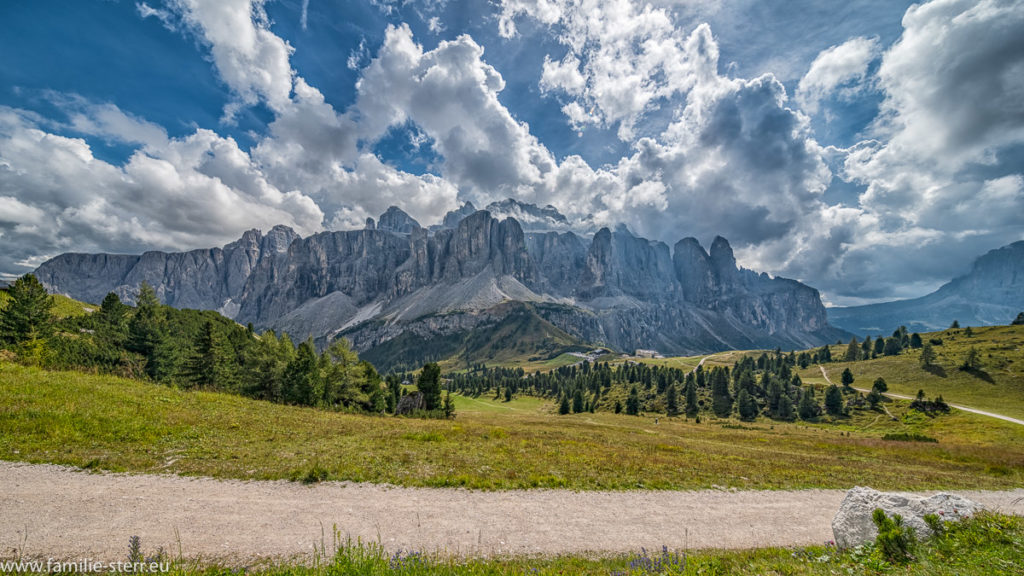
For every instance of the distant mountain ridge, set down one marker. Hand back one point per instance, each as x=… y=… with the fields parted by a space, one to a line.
x=991 y=293
x=394 y=278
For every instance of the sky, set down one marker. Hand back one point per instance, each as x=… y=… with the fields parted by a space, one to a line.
x=870 y=148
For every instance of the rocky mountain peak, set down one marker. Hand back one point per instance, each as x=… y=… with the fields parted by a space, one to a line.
x=531 y=217
x=394 y=219
x=278 y=240
x=721 y=254
x=452 y=219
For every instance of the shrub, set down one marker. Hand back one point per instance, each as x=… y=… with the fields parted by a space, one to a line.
x=896 y=541
x=909 y=437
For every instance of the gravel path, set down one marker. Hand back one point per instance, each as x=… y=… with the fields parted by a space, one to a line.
x=53 y=511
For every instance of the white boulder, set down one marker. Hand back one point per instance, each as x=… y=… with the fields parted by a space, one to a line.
x=852 y=524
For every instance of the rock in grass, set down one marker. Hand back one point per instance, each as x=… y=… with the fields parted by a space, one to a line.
x=852 y=525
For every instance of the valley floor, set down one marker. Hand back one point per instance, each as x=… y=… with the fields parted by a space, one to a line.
x=60 y=512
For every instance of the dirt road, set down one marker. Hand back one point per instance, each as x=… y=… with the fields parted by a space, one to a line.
x=52 y=511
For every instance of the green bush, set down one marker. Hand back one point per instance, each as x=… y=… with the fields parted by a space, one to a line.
x=896 y=541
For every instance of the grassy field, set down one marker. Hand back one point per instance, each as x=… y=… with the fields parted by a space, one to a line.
x=998 y=387
x=986 y=544
x=109 y=423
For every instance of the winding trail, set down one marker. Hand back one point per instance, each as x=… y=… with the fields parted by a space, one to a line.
x=957 y=406
x=53 y=511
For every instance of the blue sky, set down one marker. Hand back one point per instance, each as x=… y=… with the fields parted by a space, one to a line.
x=870 y=148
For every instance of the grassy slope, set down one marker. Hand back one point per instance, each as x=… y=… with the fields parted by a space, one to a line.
x=63 y=306
x=998 y=388
x=111 y=423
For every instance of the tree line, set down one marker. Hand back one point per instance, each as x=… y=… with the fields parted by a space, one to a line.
x=201 y=350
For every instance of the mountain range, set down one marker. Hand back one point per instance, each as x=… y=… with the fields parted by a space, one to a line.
x=395 y=287
x=991 y=293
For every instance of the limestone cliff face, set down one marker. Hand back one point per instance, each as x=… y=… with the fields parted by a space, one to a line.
x=372 y=284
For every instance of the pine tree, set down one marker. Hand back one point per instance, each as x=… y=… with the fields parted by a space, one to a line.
x=28 y=314
x=954 y=325
x=853 y=350
x=879 y=346
x=847 y=378
x=892 y=346
x=449 y=405
x=880 y=386
x=672 y=400
x=429 y=383
x=746 y=405
x=809 y=408
x=302 y=382
x=866 y=347
x=721 y=400
x=927 y=355
x=618 y=406
x=785 y=411
x=563 y=406
x=209 y=365
x=633 y=402
x=1019 y=320
x=915 y=340
x=825 y=354
x=692 y=407
x=577 y=401
x=112 y=311
x=834 y=401
x=147 y=334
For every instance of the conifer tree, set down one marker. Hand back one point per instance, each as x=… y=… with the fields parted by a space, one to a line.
x=28 y=314
x=785 y=411
x=847 y=378
x=809 y=408
x=672 y=400
x=302 y=382
x=209 y=366
x=633 y=402
x=563 y=406
x=892 y=347
x=915 y=340
x=746 y=405
x=853 y=350
x=577 y=401
x=692 y=407
x=449 y=405
x=833 y=401
x=927 y=355
x=721 y=400
x=147 y=333
x=429 y=383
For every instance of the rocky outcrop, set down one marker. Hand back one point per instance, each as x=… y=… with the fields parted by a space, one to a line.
x=392 y=276
x=853 y=526
x=992 y=293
